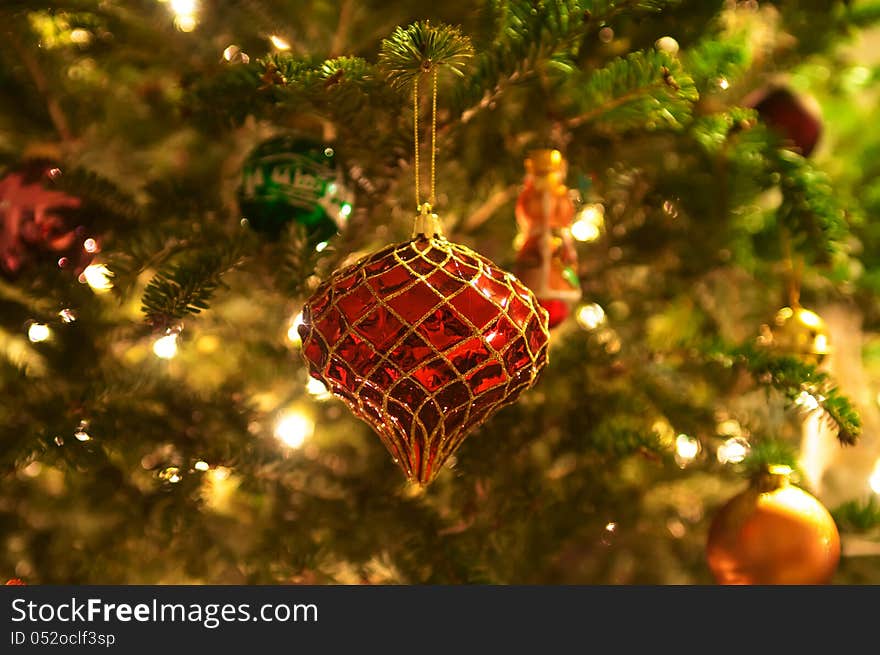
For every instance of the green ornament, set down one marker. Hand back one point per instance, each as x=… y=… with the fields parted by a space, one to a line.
x=292 y=179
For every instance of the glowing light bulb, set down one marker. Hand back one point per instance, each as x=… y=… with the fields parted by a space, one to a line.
x=234 y=54
x=80 y=36
x=185 y=11
x=611 y=526
x=733 y=451
x=292 y=332
x=345 y=210
x=590 y=316
x=90 y=245
x=317 y=389
x=97 y=276
x=185 y=23
x=170 y=474
x=67 y=315
x=279 y=42
x=321 y=246
x=723 y=84
x=588 y=225
x=38 y=332
x=874 y=480
x=686 y=449
x=201 y=465
x=667 y=44
x=807 y=400
x=166 y=347
x=293 y=428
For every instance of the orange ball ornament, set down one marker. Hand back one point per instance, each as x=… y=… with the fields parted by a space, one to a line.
x=773 y=533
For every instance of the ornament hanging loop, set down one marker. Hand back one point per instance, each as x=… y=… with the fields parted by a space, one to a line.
x=427 y=223
x=416 y=147
x=794 y=269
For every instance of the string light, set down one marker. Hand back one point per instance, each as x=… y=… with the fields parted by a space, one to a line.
x=807 y=400
x=166 y=347
x=80 y=36
x=67 y=315
x=667 y=44
x=185 y=11
x=279 y=42
x=80 y=433
x=201 y=465
x=874 y=480
x=588 y=225
x=686 y=449
x=90 y=245
x=235 y=54
x=97 y=276
x=733 y=451
x=293 y=428
x=170 y=474
x=590 y=316
x=39 y=332
x=723 y=84
x=321 y=246
x=317 y=389
x=293 y=332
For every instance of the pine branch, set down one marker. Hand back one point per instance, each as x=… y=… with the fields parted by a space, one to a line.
x=187 y=287
x=645 y=88
x=104 y=205
x=863 y=14
x=809 y=210
x=858 y=516
x=423 y=48
x=769 y=452
x=801 y=384
x=713 y=58
x=527 y=33
x=299 y=260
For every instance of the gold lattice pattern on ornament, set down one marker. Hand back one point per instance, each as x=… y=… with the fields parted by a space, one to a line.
x=424 y=340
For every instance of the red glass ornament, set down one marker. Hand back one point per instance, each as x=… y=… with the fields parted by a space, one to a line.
x=547 y=260
x=424 y=340
x=15 y=582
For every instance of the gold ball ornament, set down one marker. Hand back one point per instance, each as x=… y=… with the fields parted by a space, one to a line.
x=799 y=332
x=773 y=533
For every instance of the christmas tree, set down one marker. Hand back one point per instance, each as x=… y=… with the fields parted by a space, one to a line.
x=633 y=336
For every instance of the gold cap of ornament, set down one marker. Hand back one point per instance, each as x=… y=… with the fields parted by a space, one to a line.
x=773 y=477
x=797 y=331
x=545 y=161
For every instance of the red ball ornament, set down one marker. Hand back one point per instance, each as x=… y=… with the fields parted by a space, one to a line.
x=792 y=117
x=15 y=582
x=424 y=340
x=32 y=225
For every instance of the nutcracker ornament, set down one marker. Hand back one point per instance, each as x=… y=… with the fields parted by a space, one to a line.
x=547 y=260
x=773 y=533
x=292 y=179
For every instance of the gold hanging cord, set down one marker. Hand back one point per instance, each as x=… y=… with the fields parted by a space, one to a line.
x=426 y=221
